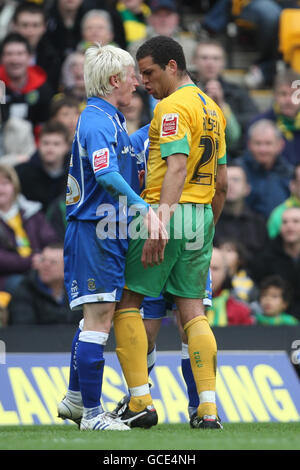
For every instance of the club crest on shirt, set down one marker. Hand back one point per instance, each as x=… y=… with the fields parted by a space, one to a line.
x=100 y=159
x=169 y=125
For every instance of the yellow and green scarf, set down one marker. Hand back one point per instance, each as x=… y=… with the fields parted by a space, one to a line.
x=287 y=125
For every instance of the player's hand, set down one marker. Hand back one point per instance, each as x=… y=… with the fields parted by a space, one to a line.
x=141 y=176
x=155 y=227
x=154 y=247
x=153 y=252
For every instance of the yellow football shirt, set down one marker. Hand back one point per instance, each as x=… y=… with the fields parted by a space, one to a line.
x=187 y=122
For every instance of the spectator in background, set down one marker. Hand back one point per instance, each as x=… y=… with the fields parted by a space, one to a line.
x=56 y=216
x=226 y=310
x=65 y=109
x=259 y=17
x=282 y=257
x=64 y=25
x=27 y=91
x=209 y=62
x=44 y=176
x=30 y=21
x=18 y=141
x=72 y=78
x=24 y=231
x=134 y=14
x=274 y=300
x=236 y=258
x=96 y=27
x=41 y=297
x=233 y=129
x=275 y=220
x=285 y=113
x=268 y=173
x=138 y=113
x=165 y=21
x=237 y=220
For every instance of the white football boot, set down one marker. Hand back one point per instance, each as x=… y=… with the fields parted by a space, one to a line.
x=68 y=410
x=103 y=422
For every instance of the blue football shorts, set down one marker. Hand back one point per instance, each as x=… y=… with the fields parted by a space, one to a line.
x=94 y=268
x=155 y=308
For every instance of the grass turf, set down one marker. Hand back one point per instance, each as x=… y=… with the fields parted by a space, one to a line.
x=234 y=436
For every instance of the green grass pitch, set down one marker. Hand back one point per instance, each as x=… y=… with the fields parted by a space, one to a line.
x=234 y=436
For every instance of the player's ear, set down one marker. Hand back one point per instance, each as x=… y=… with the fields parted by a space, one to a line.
x=114 y=80
x=172 y=64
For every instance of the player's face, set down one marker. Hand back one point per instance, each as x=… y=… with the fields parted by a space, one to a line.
x=155 y=79
x=272 y=302
x=127 y=88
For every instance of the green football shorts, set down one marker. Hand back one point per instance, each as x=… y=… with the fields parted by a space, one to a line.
x=184 y=269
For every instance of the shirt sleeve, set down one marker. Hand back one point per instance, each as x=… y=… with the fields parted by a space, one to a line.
x=101 y=147
x=174 y=131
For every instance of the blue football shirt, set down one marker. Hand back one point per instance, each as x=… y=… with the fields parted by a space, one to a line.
x=101 y=145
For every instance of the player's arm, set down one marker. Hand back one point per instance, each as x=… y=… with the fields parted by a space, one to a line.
x=221 y=191
x=221 y=176
x=100 y=142
x=172 y=186
x=116 y=186
x=153 y=250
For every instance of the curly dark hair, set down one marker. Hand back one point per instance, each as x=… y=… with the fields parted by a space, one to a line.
x=162 y=49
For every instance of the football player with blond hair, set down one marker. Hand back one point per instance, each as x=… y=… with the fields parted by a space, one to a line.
x=102 y=178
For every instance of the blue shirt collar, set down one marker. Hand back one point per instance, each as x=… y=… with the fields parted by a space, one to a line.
x=106 y=106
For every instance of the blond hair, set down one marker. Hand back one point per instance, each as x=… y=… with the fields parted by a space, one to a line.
x=100 y=64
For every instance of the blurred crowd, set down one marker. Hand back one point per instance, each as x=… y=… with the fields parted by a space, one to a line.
x=256 y=258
